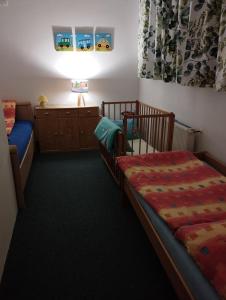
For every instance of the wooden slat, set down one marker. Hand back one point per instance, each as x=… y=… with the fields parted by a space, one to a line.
x=147 y=140
x=103 y=108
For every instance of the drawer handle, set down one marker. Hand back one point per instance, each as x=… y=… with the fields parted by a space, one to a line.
x=46 y=113
x=88 y=111
x=67 y=112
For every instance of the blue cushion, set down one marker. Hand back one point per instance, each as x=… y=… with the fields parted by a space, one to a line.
x=131 y=128
x=20 y=136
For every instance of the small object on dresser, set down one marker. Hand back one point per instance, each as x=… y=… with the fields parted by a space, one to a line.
x=43 y=100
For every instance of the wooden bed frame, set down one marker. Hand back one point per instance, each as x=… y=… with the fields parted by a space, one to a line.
x=21 y=169
x=176 y=278
x=155 y=128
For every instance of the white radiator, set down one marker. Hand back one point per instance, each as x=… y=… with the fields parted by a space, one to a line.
x=184 y=137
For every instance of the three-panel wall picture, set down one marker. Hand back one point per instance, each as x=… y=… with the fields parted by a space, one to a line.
x=84 y=39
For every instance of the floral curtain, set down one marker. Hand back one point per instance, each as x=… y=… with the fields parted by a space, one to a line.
x=183 y=41
x=221 y=57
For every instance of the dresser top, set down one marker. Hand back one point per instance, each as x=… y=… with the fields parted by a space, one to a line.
x=63 y=106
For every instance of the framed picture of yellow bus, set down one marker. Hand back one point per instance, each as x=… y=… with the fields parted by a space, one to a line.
x=103 y=41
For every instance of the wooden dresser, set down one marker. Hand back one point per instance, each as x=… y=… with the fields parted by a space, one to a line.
x=66 y=128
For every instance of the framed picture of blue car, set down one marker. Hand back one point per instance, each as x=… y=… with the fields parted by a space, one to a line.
x=63 y=41
x=103 y=41
x=84 y=41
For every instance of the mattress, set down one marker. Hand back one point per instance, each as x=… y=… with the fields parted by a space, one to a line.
x=197 y=283
x=20 y=136
x=139 y=146
x=181 y=188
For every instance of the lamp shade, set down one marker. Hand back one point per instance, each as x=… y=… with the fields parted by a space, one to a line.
x=42 y=100
x=80 y=86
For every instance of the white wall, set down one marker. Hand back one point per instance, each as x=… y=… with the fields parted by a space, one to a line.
x=201 y=108
x=8 y=207
x=30 y=66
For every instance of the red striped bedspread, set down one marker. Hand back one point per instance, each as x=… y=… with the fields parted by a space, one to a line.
x=206 y=243
x=181 y=188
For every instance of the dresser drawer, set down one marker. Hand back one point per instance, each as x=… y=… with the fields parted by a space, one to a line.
x=67 y=112
x=88 y=111
x=45 y=113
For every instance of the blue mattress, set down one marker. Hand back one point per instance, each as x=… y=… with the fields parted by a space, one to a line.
x=197 y=283
x=20 y=136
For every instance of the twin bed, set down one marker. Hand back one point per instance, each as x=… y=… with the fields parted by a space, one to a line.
x=21 y=141
x=181 y=203
x=179 y=197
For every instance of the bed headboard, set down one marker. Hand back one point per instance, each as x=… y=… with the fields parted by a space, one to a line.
x=209 y=159
x=24 y=111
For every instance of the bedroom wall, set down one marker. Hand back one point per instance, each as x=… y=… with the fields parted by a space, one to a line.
x=8 y=207
x=30 y=66
x=201 y=108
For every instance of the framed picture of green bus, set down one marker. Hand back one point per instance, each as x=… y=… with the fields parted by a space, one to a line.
x=63 y=41
x=84 y=41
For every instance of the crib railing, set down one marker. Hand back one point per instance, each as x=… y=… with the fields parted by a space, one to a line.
x=150 y=133
x=152 y=130
x=151 y=125
x=115 y=109
x=145 y=109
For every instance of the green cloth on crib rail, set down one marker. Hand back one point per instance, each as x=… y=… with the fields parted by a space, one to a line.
x=105 y=133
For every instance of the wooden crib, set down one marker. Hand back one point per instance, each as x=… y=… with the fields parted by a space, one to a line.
x=144 y=129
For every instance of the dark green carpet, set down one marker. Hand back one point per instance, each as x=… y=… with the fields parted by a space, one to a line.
x=76 y=241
